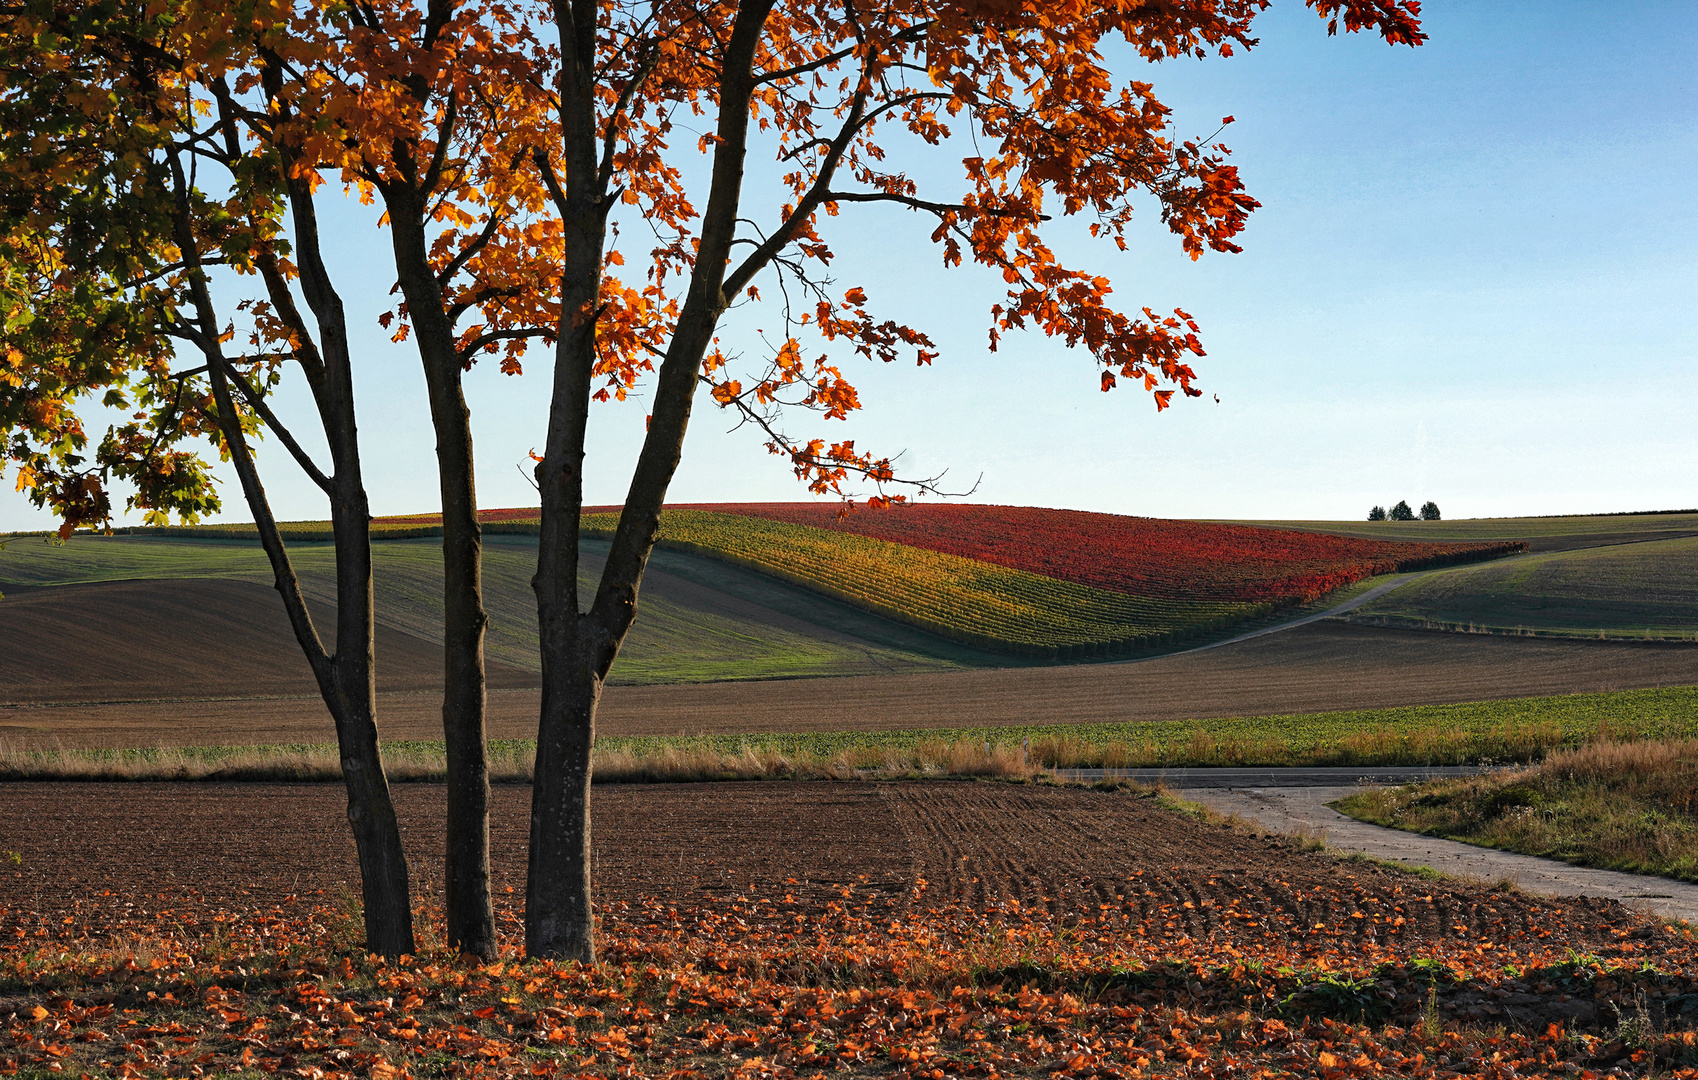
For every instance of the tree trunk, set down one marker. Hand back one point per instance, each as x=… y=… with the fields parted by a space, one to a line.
x=578 y=649
x=384 y=884
x=470 y=908
x=559 y=919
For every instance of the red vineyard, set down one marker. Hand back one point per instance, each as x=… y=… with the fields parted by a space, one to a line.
x=1156 y=557
x=1152 y=557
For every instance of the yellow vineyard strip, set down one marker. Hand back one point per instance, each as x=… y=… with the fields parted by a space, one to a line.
x=969 y=601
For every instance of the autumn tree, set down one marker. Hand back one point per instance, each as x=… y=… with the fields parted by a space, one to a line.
x=847 y=96
x=391 y=99
x=516 y=157
x=434 y=110
x=144 y=174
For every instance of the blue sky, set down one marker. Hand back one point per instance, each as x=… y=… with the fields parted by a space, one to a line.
x=1472 y=280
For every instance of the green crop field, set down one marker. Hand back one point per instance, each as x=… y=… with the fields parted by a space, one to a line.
x=1488 y=732
x=702 y=620
x=1637 y=590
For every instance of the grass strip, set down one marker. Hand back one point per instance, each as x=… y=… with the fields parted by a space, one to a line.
x=1615 y=805
x=1482 y=732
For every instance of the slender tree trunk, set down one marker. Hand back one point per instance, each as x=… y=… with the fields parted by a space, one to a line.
x=559 y=918
x=470 y=909
x=559 y=921
x=371 y=812
x=578 y=649
x=346 y=680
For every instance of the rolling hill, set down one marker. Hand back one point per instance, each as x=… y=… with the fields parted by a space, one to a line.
x=998 y=582
x=1644 y=589
x=172 y=637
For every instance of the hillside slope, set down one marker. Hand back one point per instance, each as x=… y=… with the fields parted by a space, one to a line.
x=131 y=617
x=1647 y=589
x=171 y=638
x=1565 y=533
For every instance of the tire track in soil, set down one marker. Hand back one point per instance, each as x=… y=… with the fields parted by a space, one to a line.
x=1106 y=862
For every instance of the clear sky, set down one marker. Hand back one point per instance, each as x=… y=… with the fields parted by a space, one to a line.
x=1473 y=280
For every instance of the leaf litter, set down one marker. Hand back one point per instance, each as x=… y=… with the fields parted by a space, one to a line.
x=1030 y=964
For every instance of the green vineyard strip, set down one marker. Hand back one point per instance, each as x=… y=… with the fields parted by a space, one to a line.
x=1480 y=732
x=1475 y=732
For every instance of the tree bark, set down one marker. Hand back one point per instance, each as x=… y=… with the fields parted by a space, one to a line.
x=346 y=680
x=470 y=909
x=383 y=869
x=578 y=649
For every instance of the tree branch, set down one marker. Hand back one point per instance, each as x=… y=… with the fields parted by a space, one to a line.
x=470 y=250
x=924 y=204
x=256 y=401
x=757 y=260
x=604 y=171
x=494 y=336
x=549 y=180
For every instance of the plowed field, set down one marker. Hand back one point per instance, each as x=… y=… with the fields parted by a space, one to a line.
x=1321 y=667
x=112 y=852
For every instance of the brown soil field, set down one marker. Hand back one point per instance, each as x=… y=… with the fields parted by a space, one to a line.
x=100 y=855
x=1318 y=667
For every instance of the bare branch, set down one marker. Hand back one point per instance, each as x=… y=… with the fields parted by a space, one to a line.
x=471 y=250
x=465 y=355
x=256 y=401
x=750 y=415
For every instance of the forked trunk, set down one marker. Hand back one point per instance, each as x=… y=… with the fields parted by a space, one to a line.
x=578 y=648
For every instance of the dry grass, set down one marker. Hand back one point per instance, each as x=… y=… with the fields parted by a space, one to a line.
x=1435 y=743
x=1618 y=805
x=511 y=762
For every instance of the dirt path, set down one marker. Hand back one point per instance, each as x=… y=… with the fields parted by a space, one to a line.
x=1304 y=811
x=1349 y=605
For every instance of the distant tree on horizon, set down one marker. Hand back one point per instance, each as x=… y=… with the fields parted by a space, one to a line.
x=1378 y=513
x=1401 y=511
x=1429 y=511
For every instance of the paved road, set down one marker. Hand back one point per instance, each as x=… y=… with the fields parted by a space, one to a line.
x=1289 y=808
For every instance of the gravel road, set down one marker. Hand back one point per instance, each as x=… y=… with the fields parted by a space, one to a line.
x=1304 y=810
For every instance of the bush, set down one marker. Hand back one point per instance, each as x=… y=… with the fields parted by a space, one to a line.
x=1401 y=512
x=1429 y=511
x=1378 y=513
